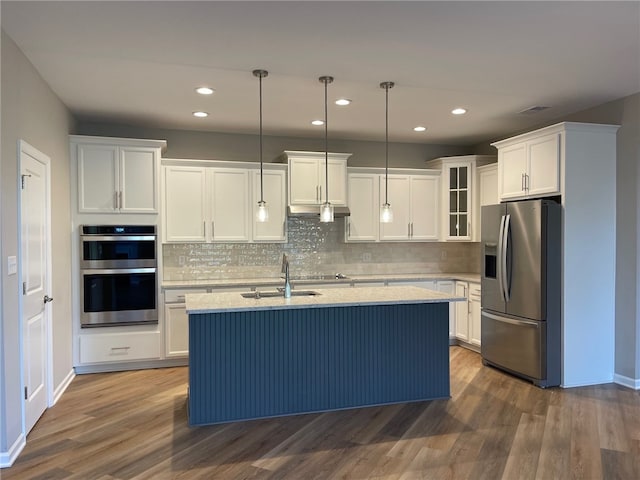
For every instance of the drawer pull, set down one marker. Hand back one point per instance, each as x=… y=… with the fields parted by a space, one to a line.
x=120 y=348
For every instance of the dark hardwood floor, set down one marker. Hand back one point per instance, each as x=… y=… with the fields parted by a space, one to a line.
x=133 y=425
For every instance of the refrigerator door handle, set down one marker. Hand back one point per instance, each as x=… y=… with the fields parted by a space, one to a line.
x=499 y=259
x=505 y=250
x=531 y=323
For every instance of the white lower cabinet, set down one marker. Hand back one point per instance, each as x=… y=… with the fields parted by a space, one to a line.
x=462 y=312
x=474 y=314
x=119 y=347
x=176 y=322
x=468 y=313
x=448 y=286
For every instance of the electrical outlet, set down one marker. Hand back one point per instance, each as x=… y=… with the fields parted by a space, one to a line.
x=366 y=257
x=181 y=260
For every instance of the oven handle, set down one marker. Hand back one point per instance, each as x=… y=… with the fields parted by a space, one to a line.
x=115 y=238
x=110 y=271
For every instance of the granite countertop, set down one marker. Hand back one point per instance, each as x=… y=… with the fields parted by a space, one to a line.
x=329 y=297
x=356 y=278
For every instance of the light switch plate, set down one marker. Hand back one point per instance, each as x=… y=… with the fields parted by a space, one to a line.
x=12 y=265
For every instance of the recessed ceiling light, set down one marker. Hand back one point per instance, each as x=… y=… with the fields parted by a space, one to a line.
x=343 y=101
x=317 y=122
x=200 y=114
x=459 y=111
x=204 y=90
x=419 y=128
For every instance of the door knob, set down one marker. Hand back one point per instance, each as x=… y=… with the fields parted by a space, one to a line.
x=48 y=299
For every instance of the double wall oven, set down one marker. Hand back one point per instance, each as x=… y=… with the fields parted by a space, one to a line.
x=118 y=275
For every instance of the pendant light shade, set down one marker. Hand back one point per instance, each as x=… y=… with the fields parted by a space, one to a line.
x=262 y=213
x=326 y=209
x=386 y=214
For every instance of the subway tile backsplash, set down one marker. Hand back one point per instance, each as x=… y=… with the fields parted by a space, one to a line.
x=315 y=248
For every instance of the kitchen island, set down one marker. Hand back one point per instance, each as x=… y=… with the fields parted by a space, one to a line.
x=341 y=348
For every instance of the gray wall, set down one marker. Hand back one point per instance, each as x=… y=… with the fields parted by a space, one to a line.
x=32 y=112
x=237 y=147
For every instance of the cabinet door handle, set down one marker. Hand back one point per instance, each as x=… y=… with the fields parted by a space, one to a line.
x=348 y=228
x=204 y=228
x=409 y=230
x=120 y=199
x=526 y=181
x=115 y=200
x=213 y=230
x=522 y=184
x=320 y=197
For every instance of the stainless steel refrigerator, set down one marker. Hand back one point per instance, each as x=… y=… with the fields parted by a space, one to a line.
x=521 y=289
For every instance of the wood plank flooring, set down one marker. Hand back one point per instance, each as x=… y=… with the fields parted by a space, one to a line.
x=133 y=425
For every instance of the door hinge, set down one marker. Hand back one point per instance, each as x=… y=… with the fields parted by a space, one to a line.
x=24 y=175
x=26 y=397
x=24 y=288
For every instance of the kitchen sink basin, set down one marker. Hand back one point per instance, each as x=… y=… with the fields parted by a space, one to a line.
x=294 y=293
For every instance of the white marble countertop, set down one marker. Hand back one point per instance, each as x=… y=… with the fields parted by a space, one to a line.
x=356 y=278
x=329 y=297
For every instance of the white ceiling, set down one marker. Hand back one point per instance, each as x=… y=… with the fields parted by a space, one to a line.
x=138 y=63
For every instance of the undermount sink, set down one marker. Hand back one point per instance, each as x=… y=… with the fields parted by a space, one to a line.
x=294 y=293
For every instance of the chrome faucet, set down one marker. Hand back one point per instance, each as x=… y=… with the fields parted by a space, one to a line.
x=285 y=270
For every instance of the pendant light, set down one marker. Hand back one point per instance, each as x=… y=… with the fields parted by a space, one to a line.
x=326 y=210
x=262 y=214
x=386 y=214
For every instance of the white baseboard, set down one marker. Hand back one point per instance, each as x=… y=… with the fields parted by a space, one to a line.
x=626 y=381
x=59 y=390
x=120 y=367
x=7 y=458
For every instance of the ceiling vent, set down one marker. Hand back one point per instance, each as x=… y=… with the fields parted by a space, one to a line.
x=532 y=110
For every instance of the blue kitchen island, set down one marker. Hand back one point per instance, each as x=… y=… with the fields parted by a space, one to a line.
x=344 y=348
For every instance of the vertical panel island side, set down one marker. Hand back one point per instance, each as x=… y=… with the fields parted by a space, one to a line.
x=344 y=348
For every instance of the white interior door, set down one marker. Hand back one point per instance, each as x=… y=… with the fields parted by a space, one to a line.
x=36 y=281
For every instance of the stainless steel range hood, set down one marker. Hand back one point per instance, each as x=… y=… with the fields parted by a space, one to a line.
x=314 y=211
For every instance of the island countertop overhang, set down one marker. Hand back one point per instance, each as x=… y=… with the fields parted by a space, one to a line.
x=197 y=303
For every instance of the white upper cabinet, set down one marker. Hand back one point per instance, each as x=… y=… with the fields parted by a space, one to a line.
x=364 y=204
x=399 y=196
x=458 y=182
x=530 y=167
x=460 y=208
x=275 y=195
x=185 y=204
x=425 y=207
x=415 y=206
x=218 y=204
x=488 y=185
x=116 y=175
x=414 y=197
x=307 y=177
x=229 y=205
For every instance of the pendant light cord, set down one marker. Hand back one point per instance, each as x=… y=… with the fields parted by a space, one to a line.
x=386 y=86
x=261 y=74
x=326 y=145
x=261 y=181
x=386 y=142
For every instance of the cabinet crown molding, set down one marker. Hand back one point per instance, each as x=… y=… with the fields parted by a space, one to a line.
x=123 y=142
x=288 y=154
x=558 y=128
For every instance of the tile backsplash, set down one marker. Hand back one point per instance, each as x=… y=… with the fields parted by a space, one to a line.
x=315 y=248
